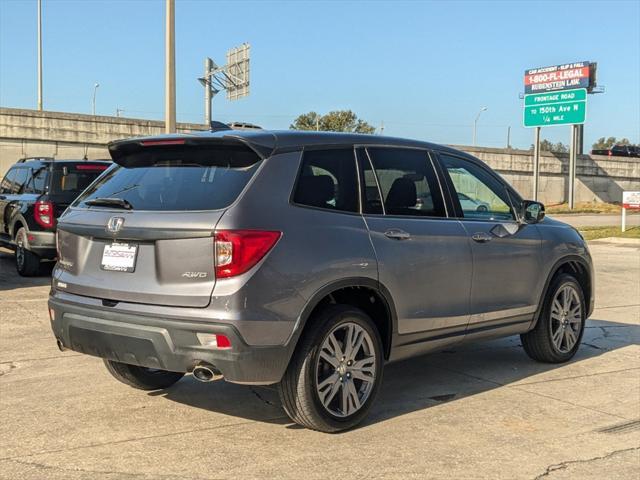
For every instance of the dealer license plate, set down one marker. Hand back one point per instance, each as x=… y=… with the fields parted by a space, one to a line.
x=119 y=257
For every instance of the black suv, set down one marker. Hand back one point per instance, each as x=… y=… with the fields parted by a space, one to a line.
x=33 y=194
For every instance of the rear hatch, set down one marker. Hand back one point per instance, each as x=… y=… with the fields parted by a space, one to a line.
x=69 y=179
x=144 y=232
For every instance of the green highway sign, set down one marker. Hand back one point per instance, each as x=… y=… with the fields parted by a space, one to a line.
x=555 y=108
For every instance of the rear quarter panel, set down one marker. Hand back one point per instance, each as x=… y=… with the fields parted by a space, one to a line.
x=317 y=247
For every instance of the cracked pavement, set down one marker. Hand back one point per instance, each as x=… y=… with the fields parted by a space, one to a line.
x=478 y=411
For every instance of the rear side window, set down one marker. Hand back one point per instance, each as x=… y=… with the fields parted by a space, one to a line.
x=328 y=180
x=407 y=183
x=38 y=180
x=197 y=177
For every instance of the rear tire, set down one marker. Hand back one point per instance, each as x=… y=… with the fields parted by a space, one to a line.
x=557 y=335
x=330 y=386
x=27 y=262
x=142 y=378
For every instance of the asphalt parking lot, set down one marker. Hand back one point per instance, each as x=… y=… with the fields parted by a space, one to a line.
x=470 y=412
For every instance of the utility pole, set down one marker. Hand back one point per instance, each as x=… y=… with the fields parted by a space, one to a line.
x=39 y=54
x=170 y=69
x=536 y=162
x=509 y=136
x=208 y=94
x=572 y=164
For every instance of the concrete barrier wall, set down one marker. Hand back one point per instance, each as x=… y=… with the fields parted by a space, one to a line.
x=31 y=133
x=598 y=178
x=27 y=133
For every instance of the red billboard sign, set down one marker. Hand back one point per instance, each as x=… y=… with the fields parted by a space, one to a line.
x=557 y=77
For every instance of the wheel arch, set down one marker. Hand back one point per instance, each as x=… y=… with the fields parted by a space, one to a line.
x=577 y=267
x=361 y=292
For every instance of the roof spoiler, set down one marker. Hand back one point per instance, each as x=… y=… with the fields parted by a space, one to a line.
x=121 y=151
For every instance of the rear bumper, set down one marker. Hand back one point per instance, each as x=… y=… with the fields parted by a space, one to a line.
x=165 y=344
x=43 y=243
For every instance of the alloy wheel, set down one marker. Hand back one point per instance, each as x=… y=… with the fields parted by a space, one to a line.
x=345 y=369
x=566 y=318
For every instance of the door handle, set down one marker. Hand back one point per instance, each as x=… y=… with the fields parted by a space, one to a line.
x=397 y=234
x=481 y=237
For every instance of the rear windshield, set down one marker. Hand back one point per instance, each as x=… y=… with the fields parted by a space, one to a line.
x=182 y=178
x=71 y=179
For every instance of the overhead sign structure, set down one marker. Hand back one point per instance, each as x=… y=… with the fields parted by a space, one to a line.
x=565 y=107
x=238 y=72
x=559 y=77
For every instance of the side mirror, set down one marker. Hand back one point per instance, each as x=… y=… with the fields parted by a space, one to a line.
x=532 y=212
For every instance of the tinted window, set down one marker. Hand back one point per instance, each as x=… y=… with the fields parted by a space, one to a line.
x=7 y=181
x=72 y=179
x=407 y=183
x=480 y=194
x=328 y=180
x=19 y=180
x=37 y=180
x=184 y=178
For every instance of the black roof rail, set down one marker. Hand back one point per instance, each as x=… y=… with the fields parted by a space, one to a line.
x=26 y=159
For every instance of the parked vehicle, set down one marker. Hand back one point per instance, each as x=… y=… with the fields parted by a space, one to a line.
x=302 y=259
x=33 y=193
x=469 y=204
x=619 y=151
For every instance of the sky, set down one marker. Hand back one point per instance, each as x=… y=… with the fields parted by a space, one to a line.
x=423 y=69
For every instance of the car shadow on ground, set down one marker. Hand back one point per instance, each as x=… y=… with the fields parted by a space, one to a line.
x=419 y=383
x=10 y=280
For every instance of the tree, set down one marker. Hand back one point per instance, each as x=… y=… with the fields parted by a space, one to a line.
x=547 y=146
x=335 y=121
x=603 y=144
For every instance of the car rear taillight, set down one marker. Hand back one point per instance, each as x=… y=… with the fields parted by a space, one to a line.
x=236 y=251
x=43 y=214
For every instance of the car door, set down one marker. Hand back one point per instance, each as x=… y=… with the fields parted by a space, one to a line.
x=9 y=190
x=424 y=258
x=506 y=254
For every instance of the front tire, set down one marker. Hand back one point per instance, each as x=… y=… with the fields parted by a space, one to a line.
x=27 y=262
x=142 y=378
x=336 y=371
x=557 y=335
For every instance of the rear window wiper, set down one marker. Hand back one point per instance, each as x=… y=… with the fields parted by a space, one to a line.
x=109 y=202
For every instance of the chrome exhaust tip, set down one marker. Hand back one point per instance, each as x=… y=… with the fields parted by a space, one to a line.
x=60 y=345
x=204 y=372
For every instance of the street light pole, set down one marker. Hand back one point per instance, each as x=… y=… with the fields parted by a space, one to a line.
x=93 y=102
x=170 y=69
x=39 y=54
x=475 y=124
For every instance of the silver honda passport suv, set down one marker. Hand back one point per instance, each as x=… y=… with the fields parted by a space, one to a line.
x=307 y=260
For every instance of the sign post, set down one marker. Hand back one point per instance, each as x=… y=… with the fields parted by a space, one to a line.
x=536 y=163
x=631 y=201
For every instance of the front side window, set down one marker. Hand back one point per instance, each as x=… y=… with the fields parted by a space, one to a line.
x=328 y=180
x=407 y=183
x=481 y=195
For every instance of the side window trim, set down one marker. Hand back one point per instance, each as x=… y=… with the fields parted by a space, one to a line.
x=375 y=177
